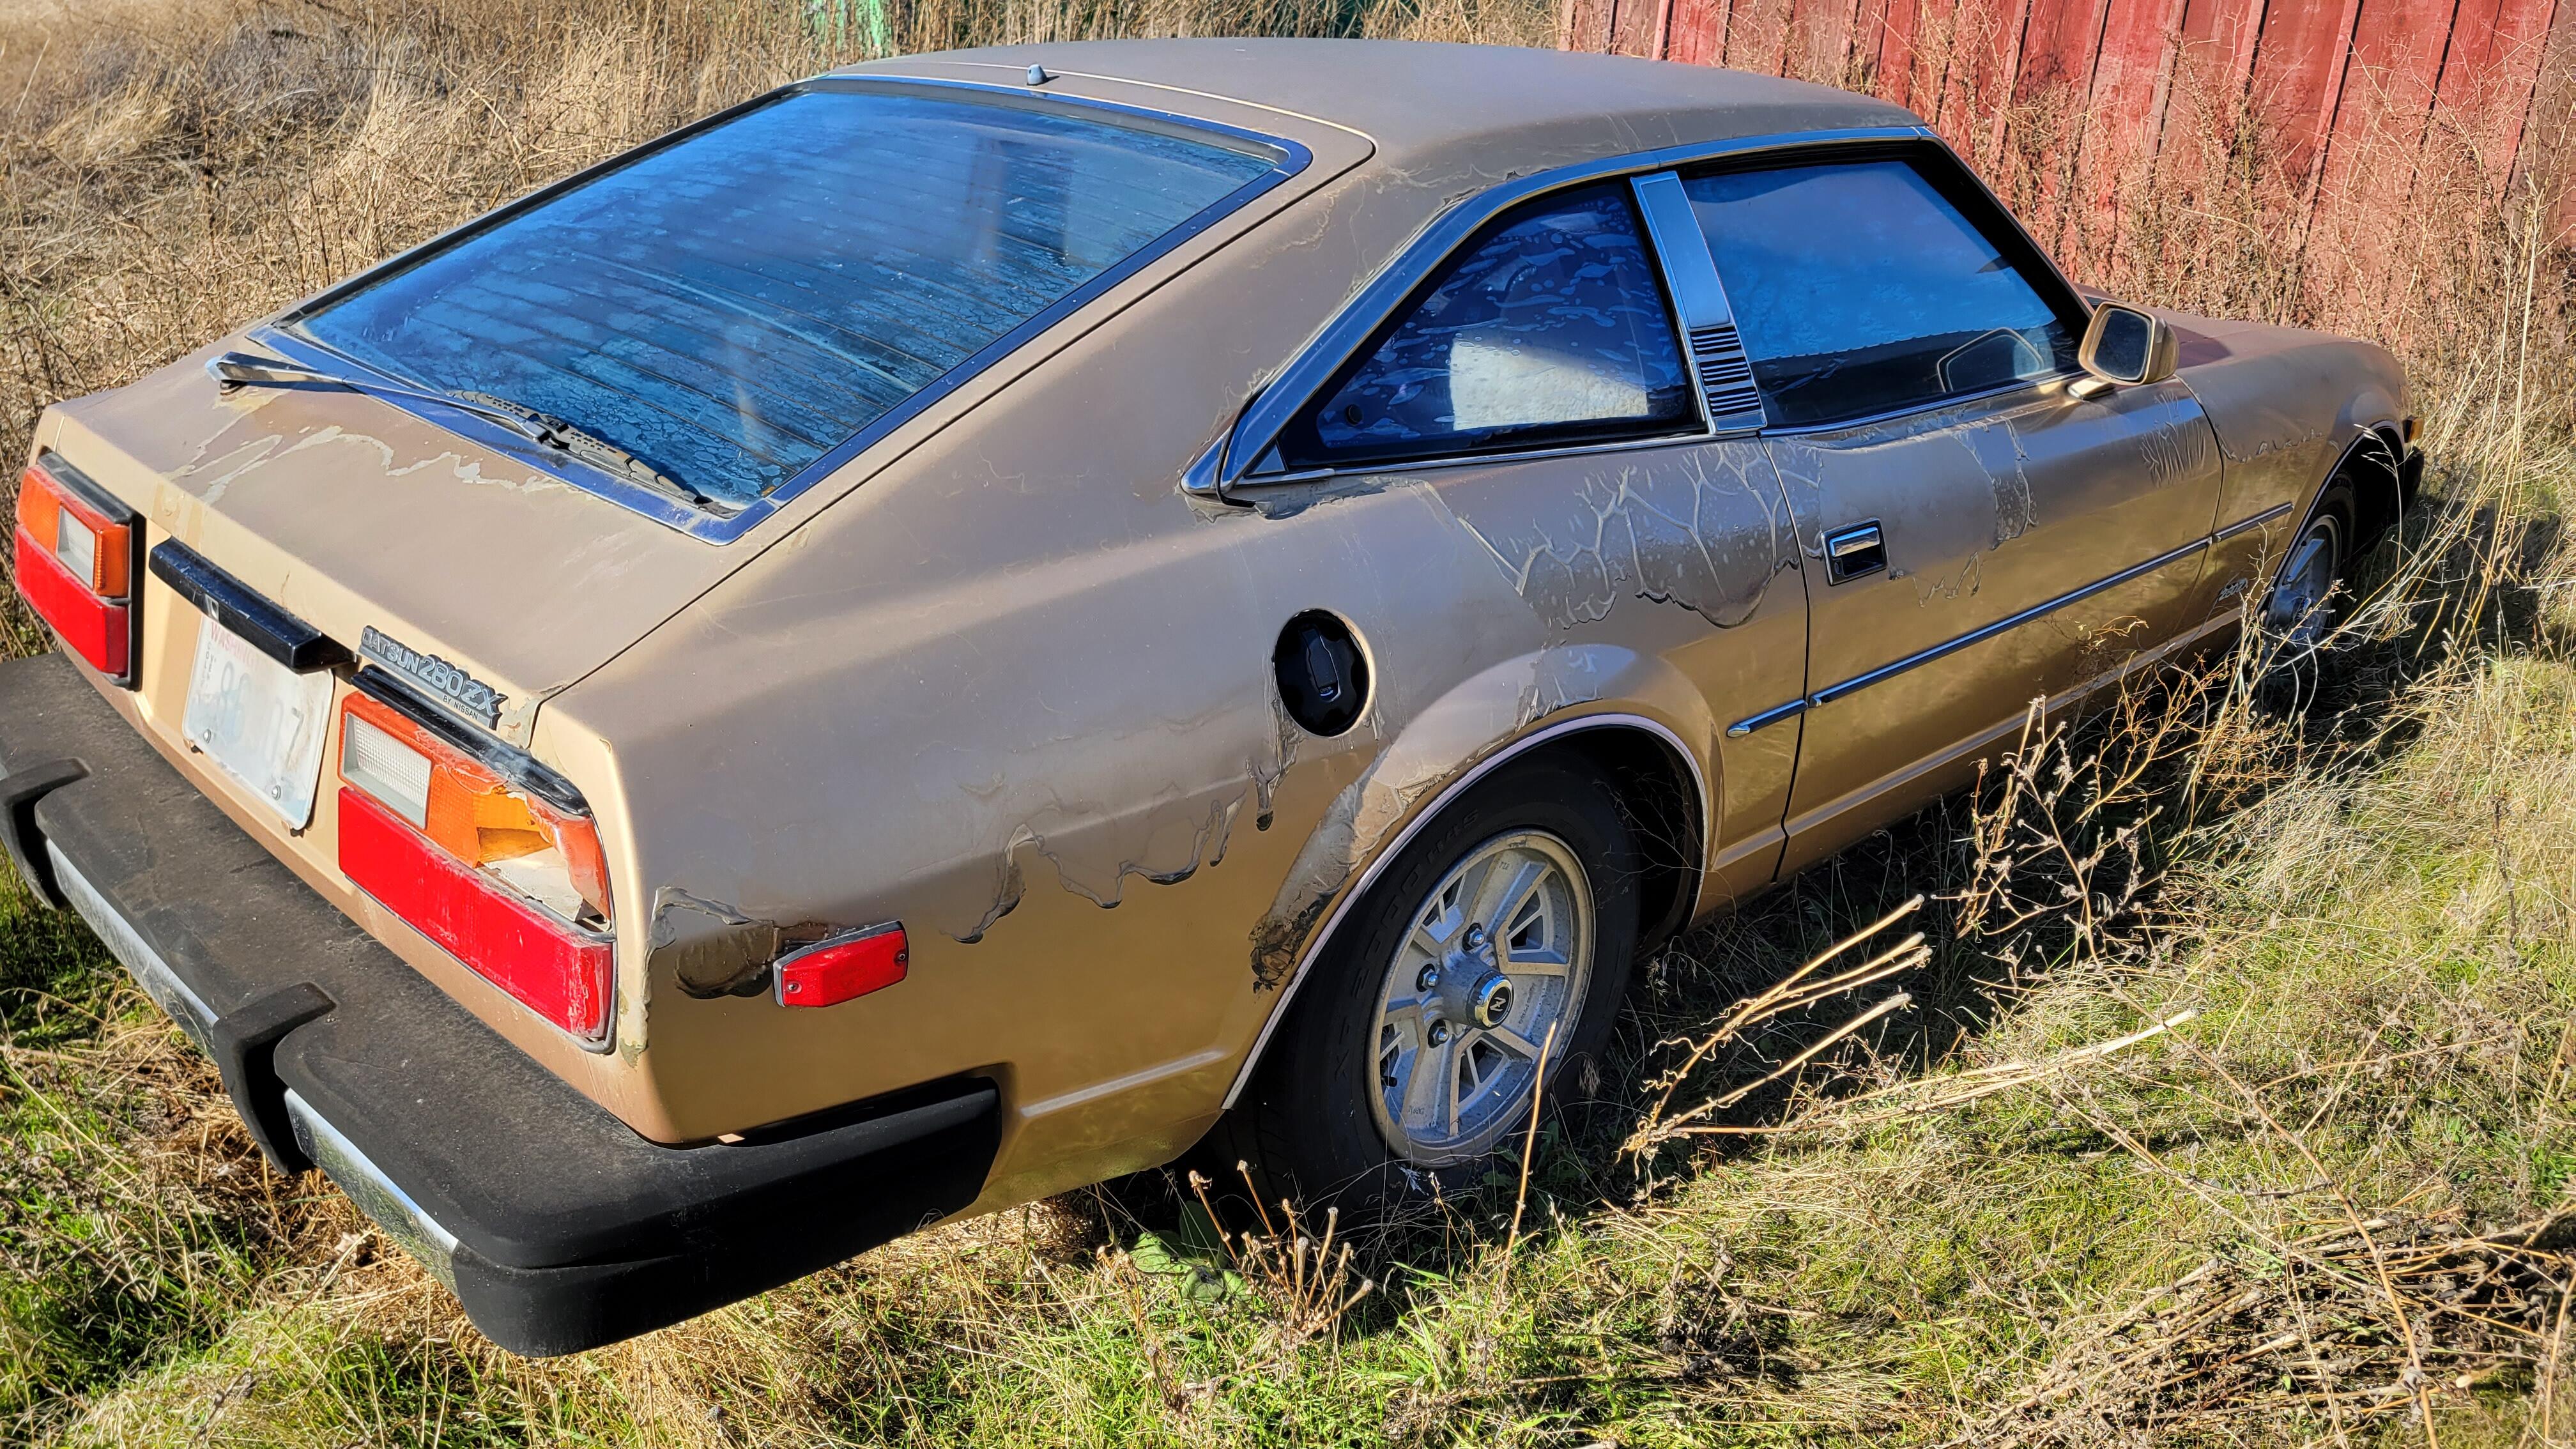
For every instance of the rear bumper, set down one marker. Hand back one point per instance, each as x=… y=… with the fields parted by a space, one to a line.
x=558 y=1228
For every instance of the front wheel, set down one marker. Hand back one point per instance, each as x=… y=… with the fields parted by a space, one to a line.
x=2308 y=598
x=1412 y=1056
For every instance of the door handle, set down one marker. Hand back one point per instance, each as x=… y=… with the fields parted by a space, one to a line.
x=1854 y=551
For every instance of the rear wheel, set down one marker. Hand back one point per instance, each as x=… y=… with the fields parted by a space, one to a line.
x=1411 y=1058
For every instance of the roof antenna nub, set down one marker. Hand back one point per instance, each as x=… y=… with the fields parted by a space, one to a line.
x=1038 y=75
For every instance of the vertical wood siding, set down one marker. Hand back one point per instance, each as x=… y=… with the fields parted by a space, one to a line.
x=2349 y=96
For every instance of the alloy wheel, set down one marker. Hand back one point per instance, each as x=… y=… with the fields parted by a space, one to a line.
x=1498 y=954
x=2297 y=616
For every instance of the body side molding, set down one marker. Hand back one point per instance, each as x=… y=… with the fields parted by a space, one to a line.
x=1954 y=644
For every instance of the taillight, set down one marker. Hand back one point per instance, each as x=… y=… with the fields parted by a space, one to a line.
x=73 y=554
x=511 y=884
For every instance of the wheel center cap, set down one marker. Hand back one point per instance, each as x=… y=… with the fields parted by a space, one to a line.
x=1469 y=988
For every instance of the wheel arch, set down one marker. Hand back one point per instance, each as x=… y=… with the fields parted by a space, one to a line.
x=1658 y=780
x=2372 y=465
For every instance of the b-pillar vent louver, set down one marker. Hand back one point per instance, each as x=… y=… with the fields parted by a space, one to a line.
x=1718 y=359
x=1726 y=376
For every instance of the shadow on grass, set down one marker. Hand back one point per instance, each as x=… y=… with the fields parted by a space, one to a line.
x=2350 y=717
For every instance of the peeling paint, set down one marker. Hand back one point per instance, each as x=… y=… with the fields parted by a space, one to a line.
x=1998 y=448
x=210 y=478
x=1009 y=888
x=2177 y=447
x=1702 y=529
x=711 y=948
x=1394 y=788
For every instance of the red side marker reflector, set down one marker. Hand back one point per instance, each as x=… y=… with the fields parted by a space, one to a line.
x=562 y=974
x=828 y=973
x=91 y=627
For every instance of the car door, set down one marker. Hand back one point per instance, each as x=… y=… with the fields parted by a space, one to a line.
x=1977 y=533
x=1538 y=381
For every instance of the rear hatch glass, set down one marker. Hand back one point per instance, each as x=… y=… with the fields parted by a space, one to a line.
x=743 y=308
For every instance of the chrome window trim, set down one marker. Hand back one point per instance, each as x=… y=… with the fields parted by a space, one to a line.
x=1387 y=853
x=1199 y=478
x=2000 y=392
x=1332 y=346
x=1699 y=300
x=1288 y=160
x=1227 y=466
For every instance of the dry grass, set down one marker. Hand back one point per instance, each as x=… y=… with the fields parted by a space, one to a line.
x=171 y=169
x=2224 y=1099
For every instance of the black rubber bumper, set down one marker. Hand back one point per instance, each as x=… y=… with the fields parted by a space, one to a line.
x=558 y=1227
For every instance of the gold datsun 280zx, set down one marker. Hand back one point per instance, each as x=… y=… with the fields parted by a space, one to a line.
x=943 y=634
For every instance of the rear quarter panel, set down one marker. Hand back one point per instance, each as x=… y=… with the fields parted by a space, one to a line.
x=1017 y=694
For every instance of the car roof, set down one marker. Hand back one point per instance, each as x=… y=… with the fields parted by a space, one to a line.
x=1421 y=102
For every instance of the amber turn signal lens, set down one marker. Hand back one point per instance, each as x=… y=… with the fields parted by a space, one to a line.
x=93 y=549
x=548 y=855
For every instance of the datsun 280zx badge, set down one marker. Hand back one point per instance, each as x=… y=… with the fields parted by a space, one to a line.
x=445 y=682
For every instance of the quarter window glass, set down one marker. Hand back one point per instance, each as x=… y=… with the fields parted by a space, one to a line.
x=1860 y=289
x=1552 y=329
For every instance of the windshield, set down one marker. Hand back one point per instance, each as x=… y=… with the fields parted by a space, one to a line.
x=735 y=305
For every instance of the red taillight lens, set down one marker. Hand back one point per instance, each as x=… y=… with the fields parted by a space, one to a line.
x=563 y=974
x=90 y=626
x=73 y=555
x=513 y=886
x=467 y=810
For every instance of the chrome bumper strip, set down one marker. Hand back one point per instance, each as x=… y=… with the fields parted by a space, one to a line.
x=402 y=1220
x=174 y=996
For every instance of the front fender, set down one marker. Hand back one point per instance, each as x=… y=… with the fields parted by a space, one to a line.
x=2286 y=404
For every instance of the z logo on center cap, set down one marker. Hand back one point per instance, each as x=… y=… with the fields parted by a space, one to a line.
x=444 y=681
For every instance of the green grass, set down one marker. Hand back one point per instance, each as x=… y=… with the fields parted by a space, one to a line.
x=2276 y=1223
x=2379 y=955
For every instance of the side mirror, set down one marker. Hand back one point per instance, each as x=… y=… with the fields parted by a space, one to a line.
x=2124 y=347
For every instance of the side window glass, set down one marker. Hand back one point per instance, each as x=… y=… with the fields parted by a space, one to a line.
x=1551 y=328
x=1859 y=289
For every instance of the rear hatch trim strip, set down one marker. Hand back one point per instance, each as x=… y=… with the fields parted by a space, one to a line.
x=235 y=605
x=499 y=756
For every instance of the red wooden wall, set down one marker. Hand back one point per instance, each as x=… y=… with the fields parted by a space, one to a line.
x=2350 y=97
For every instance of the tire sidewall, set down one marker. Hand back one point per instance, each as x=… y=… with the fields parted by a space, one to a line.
x=1316 y=1083
x=2294 y=674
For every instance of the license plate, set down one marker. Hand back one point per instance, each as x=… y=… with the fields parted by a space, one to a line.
x=259 y=721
